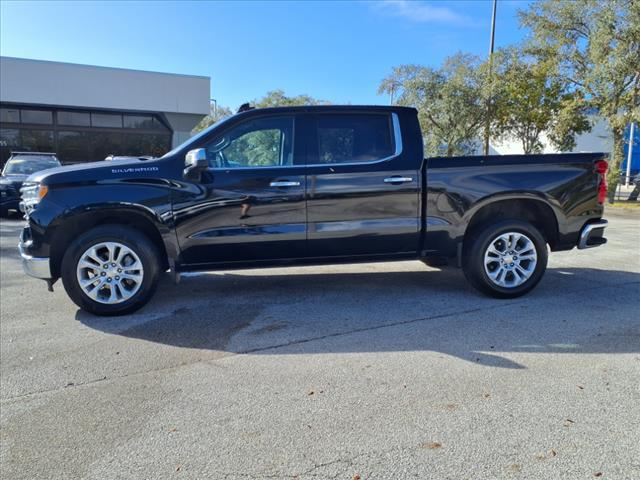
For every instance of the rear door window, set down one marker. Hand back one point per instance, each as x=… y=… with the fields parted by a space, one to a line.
x=352 y=138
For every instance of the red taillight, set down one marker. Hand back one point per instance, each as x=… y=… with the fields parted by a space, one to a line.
x=601 y=166
x=601 y=169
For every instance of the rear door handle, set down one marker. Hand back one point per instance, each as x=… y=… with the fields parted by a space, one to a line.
x=398 y=179
x=285 y=184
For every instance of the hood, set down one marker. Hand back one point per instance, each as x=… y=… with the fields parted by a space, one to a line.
x=92 y=171
x=14 y=180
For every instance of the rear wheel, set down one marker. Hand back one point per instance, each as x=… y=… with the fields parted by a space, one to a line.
x=111 y=270
x=506 y=259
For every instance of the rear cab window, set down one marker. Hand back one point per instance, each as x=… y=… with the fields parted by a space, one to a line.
x=351 y=138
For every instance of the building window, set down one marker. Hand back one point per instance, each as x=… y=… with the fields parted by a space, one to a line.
x=74 y=138
x=10 y=115
x=143 y=122
x=9 y=141
x=138 y=121
x=73 y=147
x=44 y=117
x=145 y=144
x=37 y=140
x=103 y=144
x=106 y=120
x=9 y=137
x=78 y=119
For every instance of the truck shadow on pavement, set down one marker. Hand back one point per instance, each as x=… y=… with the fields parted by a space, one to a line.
x=573 y=310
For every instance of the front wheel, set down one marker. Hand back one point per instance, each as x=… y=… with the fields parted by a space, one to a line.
x=506 y=259
x=110 y=270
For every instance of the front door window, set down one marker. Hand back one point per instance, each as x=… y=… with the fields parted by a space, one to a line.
x=263 y=142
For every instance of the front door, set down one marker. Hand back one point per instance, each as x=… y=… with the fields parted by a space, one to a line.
x=250 y=205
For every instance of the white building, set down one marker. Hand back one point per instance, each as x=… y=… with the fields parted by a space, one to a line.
x=84 y=113
x=599 y=139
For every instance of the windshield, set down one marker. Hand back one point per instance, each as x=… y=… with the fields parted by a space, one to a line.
x=29 y=164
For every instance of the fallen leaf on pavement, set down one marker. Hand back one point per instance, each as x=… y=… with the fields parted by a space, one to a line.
x=431 y=445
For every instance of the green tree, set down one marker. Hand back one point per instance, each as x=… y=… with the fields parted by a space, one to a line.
x=273 y=98
x=451 y=102
x=530 y=99
x=277 y=98
x=595 y=45
x=215 y=115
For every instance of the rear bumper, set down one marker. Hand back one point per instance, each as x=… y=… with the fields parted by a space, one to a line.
x=37 y=267
x=591 y=235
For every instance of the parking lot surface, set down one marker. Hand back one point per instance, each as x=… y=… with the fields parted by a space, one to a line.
x=390 y=371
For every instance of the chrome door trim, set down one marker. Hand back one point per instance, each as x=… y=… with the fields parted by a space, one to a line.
x=284 y=184
x=397 y=136
x=398 y=179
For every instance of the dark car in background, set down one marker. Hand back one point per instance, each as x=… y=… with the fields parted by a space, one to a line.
x=19 y=166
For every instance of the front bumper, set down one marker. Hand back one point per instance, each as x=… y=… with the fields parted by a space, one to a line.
x=591 y=235
x=38 y=267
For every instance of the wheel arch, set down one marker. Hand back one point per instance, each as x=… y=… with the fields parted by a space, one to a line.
x=533 y=209
x=76 y=223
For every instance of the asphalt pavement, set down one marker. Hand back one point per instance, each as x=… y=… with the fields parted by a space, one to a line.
x=381 y=371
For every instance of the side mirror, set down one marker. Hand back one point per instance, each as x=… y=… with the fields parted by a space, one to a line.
x=195 y=162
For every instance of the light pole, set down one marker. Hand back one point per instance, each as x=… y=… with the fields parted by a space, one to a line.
x=215 y=107
x=629 y=154
x=488 y=120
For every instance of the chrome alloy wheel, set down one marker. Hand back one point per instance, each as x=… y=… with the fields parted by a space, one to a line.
x=510 y=259
x=110 y=272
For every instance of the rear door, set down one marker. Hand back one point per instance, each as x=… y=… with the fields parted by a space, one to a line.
x=362 y=189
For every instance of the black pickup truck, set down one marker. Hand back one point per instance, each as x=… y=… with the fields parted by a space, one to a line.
x=306 y=185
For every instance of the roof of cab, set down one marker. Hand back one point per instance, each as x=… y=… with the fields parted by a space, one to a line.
x=328 y=108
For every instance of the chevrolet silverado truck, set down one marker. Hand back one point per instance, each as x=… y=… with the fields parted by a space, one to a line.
x=303 y=186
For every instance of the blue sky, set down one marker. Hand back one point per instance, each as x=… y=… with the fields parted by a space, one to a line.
x=333 y=50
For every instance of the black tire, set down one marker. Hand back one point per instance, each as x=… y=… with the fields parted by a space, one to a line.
x=131 y=238
x=474 y=258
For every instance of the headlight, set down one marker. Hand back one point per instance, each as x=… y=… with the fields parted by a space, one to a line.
x=32 y=193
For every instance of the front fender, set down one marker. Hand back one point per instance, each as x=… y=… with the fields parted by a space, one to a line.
x=67 y=212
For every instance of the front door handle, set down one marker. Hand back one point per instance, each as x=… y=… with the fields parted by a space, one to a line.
x=284 y=184
x=398 y=179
